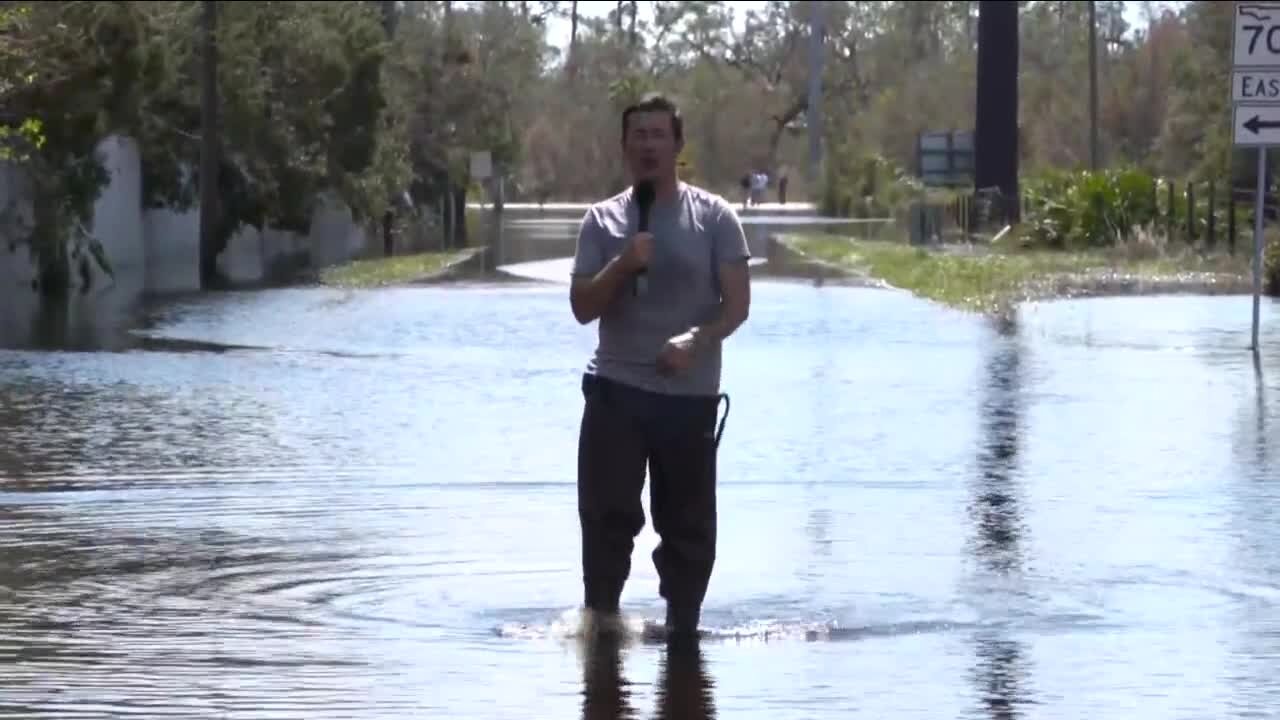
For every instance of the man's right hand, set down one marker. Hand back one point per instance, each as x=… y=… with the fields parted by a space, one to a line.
x=589 y=296
x=635 y=257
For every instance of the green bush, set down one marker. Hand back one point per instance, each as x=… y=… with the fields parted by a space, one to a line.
x=865 y=186
x=1073 y=210
x=1089 y=209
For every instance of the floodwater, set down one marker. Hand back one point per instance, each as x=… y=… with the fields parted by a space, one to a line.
x=360 y=505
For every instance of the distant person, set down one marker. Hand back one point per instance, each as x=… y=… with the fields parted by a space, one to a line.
x=782 y=188
x=746 y=190
x=651 y=389
x=759 y=182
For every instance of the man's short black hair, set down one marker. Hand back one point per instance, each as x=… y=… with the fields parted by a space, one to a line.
x=655 y=102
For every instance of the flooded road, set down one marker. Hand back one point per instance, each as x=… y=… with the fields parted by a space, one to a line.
x=361 y=504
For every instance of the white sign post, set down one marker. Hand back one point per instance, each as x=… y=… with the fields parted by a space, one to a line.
x=1255 y=111
x=481 y=165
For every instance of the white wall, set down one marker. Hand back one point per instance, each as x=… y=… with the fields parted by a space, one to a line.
x=157 y=251
x=151 y=251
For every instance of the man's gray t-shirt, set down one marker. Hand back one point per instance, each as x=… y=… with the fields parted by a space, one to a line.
x=692 y=234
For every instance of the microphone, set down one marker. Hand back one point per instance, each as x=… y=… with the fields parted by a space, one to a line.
x=644 y=194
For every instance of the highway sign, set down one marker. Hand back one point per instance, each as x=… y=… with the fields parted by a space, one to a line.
x=1256 y=40
x=1255 y=108
x=1255 y=86
x=1256 y=125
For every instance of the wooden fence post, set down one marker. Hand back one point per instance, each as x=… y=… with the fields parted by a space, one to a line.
x=1191 y=213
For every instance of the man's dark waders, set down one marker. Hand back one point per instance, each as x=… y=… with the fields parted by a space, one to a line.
x=623 y=429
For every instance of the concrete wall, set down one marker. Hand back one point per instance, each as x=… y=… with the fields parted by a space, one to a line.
x=151 y=252
x=158 y=250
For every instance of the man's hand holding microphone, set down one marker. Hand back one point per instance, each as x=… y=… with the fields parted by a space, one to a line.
x=635 y=256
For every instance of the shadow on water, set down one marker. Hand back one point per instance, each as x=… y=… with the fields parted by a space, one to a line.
x=997 y=546
x=685 y=690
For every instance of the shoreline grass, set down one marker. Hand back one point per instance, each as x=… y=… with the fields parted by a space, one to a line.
x=987 y=279
x=395 y=270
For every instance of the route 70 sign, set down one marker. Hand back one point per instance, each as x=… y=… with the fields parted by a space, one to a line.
x=1255 y=75
x=1256 y=40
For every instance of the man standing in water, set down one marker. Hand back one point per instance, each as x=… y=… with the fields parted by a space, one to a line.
x=665 y=299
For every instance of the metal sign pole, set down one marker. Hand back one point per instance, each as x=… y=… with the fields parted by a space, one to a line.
x=1259 y=206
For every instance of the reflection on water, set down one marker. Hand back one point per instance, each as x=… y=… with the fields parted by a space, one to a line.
x=93 y=320
x=606 y=694
x=999 y=525
x=684 y=691
x=1260 y=443
x=997 y=516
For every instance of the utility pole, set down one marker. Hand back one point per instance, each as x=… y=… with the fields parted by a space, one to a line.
x=996 y=124
x=813 y=111
x=209 y=205
x=1093 y=85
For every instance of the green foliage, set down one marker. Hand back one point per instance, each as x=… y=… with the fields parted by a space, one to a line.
x=994 y=281
x=301 y=104
x=629 y=89
x=314 y=98
x=380 y=272
x=1089 y=209
x=1074 y=210
x=17 y=143
x=77 y=67
x=865 y=185
x=303 y=110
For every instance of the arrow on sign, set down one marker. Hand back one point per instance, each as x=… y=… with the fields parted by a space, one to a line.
x=1255 y=123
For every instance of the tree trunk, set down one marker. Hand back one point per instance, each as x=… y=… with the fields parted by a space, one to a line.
x=813 y=105
x=448 y=32
x=1093 y=86
x=573 y=39
x=459 y=217
x=388 y=237
x=389 y=18
x=780 y=124
x=209 y=205
x=635 y=10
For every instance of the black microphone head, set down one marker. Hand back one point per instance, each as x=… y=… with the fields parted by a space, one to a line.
x=644 y=192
